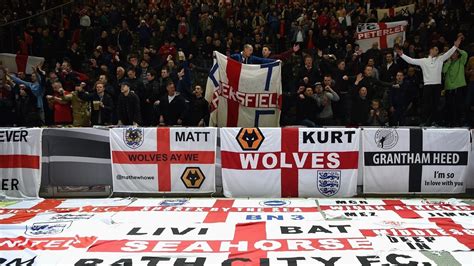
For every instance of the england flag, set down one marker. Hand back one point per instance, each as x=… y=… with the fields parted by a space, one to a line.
x=289 y=162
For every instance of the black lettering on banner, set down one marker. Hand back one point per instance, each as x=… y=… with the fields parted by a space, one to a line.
x=290 y=230
x=135 y=232
x=123 y=262
x=18 y=261
x=329 y=262
x=327 y=136
x=228 y=262
x=392 y=260
x=368 y=260
x=154 y=260
x=415 y=158
x=10 y=184
x=191 y=136
x=88 y=262
x=314 y=229
x=182 y=262
x=13 y=135
x=292 y=261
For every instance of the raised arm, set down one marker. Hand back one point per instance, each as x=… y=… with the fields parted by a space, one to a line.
x=448 y=54
x=20 y=81
x=408 y=59
x=451 y=51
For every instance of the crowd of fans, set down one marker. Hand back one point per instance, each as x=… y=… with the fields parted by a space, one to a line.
x=146 y=62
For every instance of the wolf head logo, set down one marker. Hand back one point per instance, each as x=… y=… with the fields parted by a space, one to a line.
x=250 y=139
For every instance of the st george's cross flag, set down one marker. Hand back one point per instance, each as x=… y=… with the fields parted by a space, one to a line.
x=394 y=11
x=415 y=160
x=386 y=34
x=289 y=162
x=19 y=63
x=154 y=160
x=244 y=95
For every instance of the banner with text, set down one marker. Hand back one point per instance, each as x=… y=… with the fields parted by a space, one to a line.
x=415 y=160
x=244 y=95
x=386 y=34
x=20 y=163
x=289 y=162
x=395 y=11
x=155 y=160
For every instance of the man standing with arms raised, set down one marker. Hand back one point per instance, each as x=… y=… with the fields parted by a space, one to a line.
x=432 y=67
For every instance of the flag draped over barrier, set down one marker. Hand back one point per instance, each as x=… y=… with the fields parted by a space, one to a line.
x=386 y=34
x=415 y=160
x=163 y=159
x=20 y=163
x=289 y=162
x=242 y=94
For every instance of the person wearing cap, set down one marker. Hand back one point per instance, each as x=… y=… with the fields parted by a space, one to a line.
x=81 y=115
x=128 y=108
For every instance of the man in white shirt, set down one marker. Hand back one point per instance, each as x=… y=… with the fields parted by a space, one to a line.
x=432 y=67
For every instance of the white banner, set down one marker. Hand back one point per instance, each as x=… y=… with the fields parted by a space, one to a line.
x=386 y=34
x=204 y=231
x=152 y=160
x=20 y=63
x=244 y=95
x=289 y=162
x=20 y=163
x=394 y=11
x=415 y=160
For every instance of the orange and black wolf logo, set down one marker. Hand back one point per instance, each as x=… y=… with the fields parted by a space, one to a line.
x=250 y=139
x=193 y=177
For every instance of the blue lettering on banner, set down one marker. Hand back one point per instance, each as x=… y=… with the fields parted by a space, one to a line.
x=270 y=67
x=258 y=113
x=211 y=75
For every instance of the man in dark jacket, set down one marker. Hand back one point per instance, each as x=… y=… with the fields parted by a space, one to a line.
x=198 y=111
x=152 y=96
x=389 y=69
x=102 y=104
x=309 y=74
x=172 y=107
x=307 y=108
x=360 y=108
x=26 y=108
x=246 y=57
x=375 y=88
x=128 y=108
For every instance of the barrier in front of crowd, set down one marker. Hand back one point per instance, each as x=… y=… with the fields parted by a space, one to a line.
x=238 y=162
